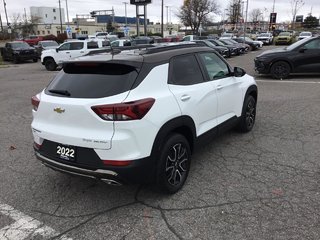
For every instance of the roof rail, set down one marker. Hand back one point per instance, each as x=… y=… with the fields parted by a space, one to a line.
x=117 y=50
x=162 y=48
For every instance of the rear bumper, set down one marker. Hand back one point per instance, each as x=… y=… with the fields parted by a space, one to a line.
x=139 y=171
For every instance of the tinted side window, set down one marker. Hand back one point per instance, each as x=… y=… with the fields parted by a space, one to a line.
x=315 y=44
x=65 y=47
x=76 y=46
x=215 y=67
x=185 y=70
x=92 y=45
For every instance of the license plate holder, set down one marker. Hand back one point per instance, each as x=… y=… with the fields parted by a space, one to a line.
x=66 y=152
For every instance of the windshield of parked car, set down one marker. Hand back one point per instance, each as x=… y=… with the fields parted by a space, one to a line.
x=49 y=44
x=284 y=34
x=227 y=35
x=19 y=45
x=219 y=42
x=305 y=34
x=264 y=35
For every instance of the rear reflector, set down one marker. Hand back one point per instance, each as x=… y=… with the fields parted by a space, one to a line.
x=124 y=111
x=117 y=163
x=35 y=101
x=36 y=145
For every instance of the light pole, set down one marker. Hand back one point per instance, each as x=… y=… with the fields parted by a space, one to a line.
x=60 y=17
x=245 y=23
x=125 y=12
x=162 y=18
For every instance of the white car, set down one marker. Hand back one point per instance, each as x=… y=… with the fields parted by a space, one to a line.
x=266 y=38
x=52 y=58
x=304 y=35
x=139 y=116
x=260 y=43
x=120 y=43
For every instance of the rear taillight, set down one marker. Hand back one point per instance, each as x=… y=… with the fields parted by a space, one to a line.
x=35 y=101
x=124 y=111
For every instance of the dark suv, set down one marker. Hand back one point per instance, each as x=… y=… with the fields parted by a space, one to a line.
x=301 y=57
x=18 y=51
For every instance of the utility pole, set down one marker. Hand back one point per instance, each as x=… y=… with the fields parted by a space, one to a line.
x=162 y=18
x=1 y=23
x=125 y=12
x=5 y=11
x=61 y=30
x=67 y=11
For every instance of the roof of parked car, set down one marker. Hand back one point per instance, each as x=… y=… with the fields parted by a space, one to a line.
x=149 y=55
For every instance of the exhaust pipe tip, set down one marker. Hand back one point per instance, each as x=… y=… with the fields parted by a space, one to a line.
x=110 y=182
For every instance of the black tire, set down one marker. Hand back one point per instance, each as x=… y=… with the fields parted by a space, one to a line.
x=280 y=70
x=248 y=115
x=35 y=60
x=50 y=64
x=174 y=164
x=15 y=59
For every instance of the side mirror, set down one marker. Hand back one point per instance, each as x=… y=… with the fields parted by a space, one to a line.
x=302 y=50
x=57 y=49
x=238 y=72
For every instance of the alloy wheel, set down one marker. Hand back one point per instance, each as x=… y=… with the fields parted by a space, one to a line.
x=177 y=164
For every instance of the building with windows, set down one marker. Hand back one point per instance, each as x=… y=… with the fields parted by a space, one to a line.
x=47 y=15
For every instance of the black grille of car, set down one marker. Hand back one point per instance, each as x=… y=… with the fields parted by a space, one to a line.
x=27 y=52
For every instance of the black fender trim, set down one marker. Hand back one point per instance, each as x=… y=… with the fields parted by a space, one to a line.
x=183 y=125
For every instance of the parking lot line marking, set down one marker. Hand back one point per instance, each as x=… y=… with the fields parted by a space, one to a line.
x=286 y=81
x=24 y=226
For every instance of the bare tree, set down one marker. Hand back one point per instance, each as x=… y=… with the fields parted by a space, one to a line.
x=235 y=11
x=296 y=5
x=193 y=13
x=256 y=15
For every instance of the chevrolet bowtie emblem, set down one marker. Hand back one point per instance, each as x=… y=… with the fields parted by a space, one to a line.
x=59 y=110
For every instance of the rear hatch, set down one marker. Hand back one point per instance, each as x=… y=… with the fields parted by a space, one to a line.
x=65 y=114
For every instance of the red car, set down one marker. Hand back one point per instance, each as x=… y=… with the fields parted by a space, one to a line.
x=33 y=40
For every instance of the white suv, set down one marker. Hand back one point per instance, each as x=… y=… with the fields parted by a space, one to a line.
x=52 y=58
x=138 y=117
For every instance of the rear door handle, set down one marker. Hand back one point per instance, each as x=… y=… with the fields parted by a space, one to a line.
x=67 y=52
x=185 y=98
x=219 y=87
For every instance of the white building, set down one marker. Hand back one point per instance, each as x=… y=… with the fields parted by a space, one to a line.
x=48 y=15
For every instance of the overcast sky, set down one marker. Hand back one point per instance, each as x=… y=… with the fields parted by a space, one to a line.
x=282 y=7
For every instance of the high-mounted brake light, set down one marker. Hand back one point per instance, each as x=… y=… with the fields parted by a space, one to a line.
x=124 y=111
x=35 y=101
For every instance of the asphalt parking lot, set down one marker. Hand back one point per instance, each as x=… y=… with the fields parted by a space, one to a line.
x=260 y=185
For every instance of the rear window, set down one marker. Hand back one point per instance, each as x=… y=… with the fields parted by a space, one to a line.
x=92 y=80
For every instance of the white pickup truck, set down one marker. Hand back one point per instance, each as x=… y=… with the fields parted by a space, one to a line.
x=53 y=58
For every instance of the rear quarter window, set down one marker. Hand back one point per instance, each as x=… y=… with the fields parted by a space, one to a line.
x=93 y=80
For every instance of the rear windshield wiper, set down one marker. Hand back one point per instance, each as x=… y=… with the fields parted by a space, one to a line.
x=61 y=92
